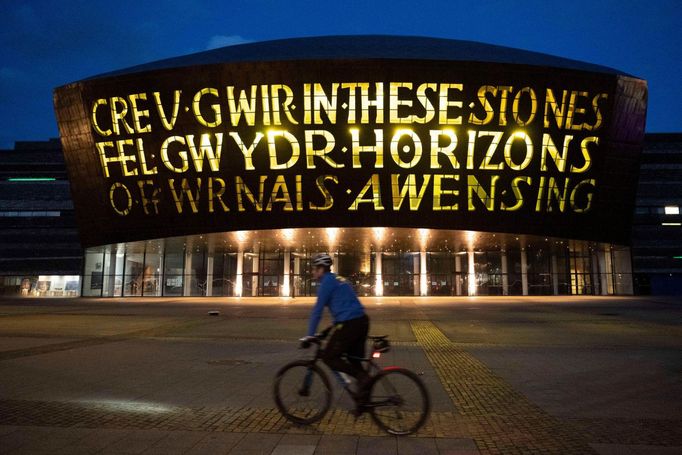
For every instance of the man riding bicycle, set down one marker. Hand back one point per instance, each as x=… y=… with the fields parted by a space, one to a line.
x=351 y=324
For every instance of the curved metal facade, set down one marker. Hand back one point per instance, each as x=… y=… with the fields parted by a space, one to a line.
x=345 y=142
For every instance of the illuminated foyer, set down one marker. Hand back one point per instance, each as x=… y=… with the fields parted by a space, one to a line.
x=377 y=261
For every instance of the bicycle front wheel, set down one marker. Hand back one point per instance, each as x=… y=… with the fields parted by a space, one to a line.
x=302 y=392
x=399 y=402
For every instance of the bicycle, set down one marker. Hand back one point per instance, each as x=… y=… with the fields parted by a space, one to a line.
x=397 y=401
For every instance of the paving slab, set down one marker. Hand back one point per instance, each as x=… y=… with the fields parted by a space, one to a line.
x=624 y=449
x=254 y=443
x=294 y=449
x=336 y=445
x=160 y=376
x=216 y=443
x=377 y=446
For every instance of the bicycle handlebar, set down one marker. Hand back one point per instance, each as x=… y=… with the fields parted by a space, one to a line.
x=315 y=339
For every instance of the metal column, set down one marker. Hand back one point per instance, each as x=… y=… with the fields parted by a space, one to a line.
x=458 y=275
x=505 y=273
x=187 y=272
x=286 y=285
x=240 y=274
x=422 y=274
x=378 y=280
x=471 y=288
x=209 y=273
x=524 y=272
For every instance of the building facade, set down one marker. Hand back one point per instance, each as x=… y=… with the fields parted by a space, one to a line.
x=655 y=246
x=657 y=227
x=40 y=252
x=424 y=166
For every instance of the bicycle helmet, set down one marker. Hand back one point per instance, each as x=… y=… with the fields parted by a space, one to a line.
x=323 y=260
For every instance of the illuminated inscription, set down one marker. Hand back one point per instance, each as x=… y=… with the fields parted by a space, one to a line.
x=402 y=146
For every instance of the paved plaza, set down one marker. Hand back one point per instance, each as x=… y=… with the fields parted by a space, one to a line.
x=564 y=375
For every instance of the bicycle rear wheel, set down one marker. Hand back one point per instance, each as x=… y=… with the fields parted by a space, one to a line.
x=399 y=402
x=302 y=392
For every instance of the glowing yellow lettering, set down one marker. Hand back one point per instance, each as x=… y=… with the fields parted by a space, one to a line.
x=328 y=200
x=196 y=108
x=311 y=151
x=548 y=147
x=508 y=151
x=377 y=148
x=182 y=154
x=185 y=190
x=439 y=192
x=95 y=122
x=280 y=193
x=416 y=146
x=206 y=150
x=409 y=187
x=586 y=154
x=247 y=151
x=444 y=103
x=448 y=150
x=375 y=199
x=272 y=149
x=244 y=106
x=139 y=114
x=168 y=124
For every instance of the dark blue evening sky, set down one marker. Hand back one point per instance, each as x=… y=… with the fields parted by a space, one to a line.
x=44 y=44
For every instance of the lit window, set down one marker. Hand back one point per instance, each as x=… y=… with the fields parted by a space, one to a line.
x=672 y=210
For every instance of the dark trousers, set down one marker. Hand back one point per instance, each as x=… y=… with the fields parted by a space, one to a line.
x=348 y=337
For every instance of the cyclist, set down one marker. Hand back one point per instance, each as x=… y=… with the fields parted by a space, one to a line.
x=351 y=324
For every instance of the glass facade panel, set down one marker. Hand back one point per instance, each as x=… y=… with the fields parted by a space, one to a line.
x=93 y=274
x=400 y=273
x=195 y=273
x=355 y=267
x=514 y=276
x=303 y=282
x=580 y=263
x=539 y=271
x=113 y=271
x=622 y=271
x=168 y=268
x=560 y=271
x=250 y=275
x=488 y=266
x=173 y=267
x=133 y=274
x=224 y=274
x=151 y=278
x=441 y=273
x=461 y=273
x=271 y=274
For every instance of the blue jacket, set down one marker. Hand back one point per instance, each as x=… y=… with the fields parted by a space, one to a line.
x=336 y=293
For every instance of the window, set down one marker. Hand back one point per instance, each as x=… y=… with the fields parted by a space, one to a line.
x=29 y=213
x=672 y=210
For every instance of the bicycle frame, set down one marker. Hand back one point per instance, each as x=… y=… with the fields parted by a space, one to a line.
x=372 y=368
